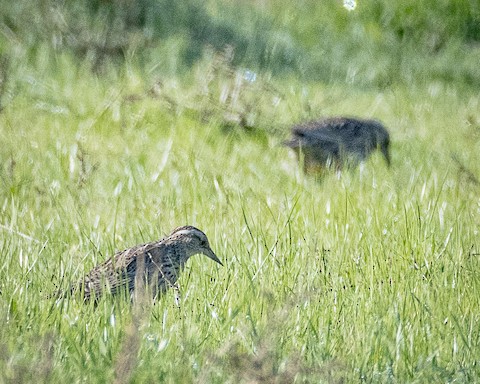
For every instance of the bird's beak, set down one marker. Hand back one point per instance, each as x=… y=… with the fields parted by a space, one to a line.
x=209 y=253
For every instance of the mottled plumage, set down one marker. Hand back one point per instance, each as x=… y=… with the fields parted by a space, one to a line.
x=159 y=263
x=338 y=141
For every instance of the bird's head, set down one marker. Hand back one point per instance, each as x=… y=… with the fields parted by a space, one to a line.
x=195 y=242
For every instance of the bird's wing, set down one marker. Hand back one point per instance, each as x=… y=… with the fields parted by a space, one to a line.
x=116 y=272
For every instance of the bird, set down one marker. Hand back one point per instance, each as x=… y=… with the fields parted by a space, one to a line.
x=156 y=265
x=338 y=142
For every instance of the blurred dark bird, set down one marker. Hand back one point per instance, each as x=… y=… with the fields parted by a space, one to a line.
x=155 y=265
x=338 y=142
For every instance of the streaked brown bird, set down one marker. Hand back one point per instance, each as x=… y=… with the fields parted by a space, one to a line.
x=338 y=142
x=157 y=265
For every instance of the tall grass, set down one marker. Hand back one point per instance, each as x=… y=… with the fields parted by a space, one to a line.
x=376 y=45
x=368 y=277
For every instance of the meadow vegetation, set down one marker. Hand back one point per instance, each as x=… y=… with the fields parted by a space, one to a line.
x=124 y=120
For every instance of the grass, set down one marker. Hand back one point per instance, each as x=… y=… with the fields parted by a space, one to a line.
x=368 y=278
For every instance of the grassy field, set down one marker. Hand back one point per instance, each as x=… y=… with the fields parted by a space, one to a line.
x=367 y=277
